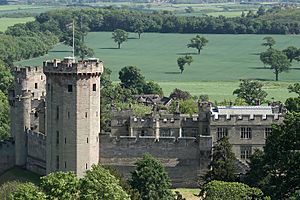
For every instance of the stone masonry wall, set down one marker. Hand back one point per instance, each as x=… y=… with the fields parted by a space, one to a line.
x=183 y=159
x=7 y=155
x=36 y=156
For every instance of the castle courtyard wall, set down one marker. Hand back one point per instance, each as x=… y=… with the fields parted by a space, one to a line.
x=7 y=155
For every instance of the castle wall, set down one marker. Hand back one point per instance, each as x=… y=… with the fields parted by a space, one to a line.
x=7 y=155
x=185 y=159
x=36 y=152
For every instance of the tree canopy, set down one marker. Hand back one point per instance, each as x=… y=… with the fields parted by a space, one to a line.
x=151 y=179
x=28 y=191
x=276 y=170
x=181 y=61
x=119 y=36
x=223 y=162
x=251 y=92
x=269 y=42
x=198 y=43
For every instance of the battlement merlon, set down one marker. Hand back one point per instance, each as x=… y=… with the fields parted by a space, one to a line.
x=22 y=72
x=91 y=66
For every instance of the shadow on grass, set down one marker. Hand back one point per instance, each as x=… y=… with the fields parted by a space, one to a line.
x=259 y=67
x=295 y=68
x=171 y=72
x=133 y=38
x=255 y=54
x=59 y=51
x=109 y=48
x=262 y=79
x=186 y=54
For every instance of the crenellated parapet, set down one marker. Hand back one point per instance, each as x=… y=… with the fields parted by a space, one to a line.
x=69 y=66
x=23 y=72
x=246 y=119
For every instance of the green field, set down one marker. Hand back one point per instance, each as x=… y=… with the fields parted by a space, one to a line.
x=216 y=72
x=6 y=22
x=19 y=174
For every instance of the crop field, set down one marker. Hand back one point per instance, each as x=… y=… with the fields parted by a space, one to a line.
x=216 y=71
x=6 y=22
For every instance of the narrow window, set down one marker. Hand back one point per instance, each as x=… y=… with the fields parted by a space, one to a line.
x=70 y=88
x=42 y=77
x=65 y=140
x=65 y=165
x=97 y=114
x=85 y=165
x=94 y=87
x=57 y=112
x=57 y=137
x=35 y=85
x=222 y=132
x=86 y=115
x=48 y=86
x=68 y=115
x=57 y=162
x=87 y=140
x=32 y=94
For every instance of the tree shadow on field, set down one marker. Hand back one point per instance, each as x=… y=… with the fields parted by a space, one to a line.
x=171 y=72
x=262 y=79
x=133 y=38
x=109 y=48
x=186 y=54
x=259 y=67
x=59 y=51
x=255 y=54
x=295 y=68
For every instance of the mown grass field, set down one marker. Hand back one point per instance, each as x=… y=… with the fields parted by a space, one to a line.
x=216 y=72
x=6 y=22
x=19 y=174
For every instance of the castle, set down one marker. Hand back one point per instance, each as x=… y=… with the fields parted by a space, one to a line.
x=55 y=126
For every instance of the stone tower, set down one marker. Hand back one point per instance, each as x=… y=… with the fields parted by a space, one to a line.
x=72 y=114
x=29 y=85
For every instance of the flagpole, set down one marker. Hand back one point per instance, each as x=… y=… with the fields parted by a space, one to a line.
x=73 y=39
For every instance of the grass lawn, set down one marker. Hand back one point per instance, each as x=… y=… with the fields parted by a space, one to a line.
x=188 y=193
x=6 y=22
x=19 y=174
x=216 y=72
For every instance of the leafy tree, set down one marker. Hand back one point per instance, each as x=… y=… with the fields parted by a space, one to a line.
x=152 y=88
x=279 y=172
x=198 y=43
x=188 y=106
x=292 y=53
x=7 y=188
x=98 y=183
x=265 y=57
x=132 y=78
x=215 y=190
x=178 y=94
x=251 y=92
x=5 y=78
x=269 y=42
x=279 y=63
x=138 y=27
x=28 y=191
x=4 y=117
x=261 y=11
x=82 y=50
x=295 y=88
x=181 y=61
x=119 y=36
x=60 y=185
x=223 y=162
x=293 y=104
x=151 y=179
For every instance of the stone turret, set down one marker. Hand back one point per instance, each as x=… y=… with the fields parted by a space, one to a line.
x=204 y=117
x=73 y=114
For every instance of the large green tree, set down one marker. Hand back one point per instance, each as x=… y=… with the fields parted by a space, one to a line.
x=219 y=190
x=4 y=117
x=99 y=184
x=132 y=78
x=277 y=61
x=269 y=42
x=251 y=92
x=292 y=53
x=5 y=78
x=182 y=61
x=119 y=36
x=198 y=43
x=222 y=166
x=295 y=88
x=179 y=94
x=151 y=179
x=60 y=185
x=276 y=170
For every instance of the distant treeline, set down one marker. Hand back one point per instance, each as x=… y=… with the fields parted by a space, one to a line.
x=32 y=39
